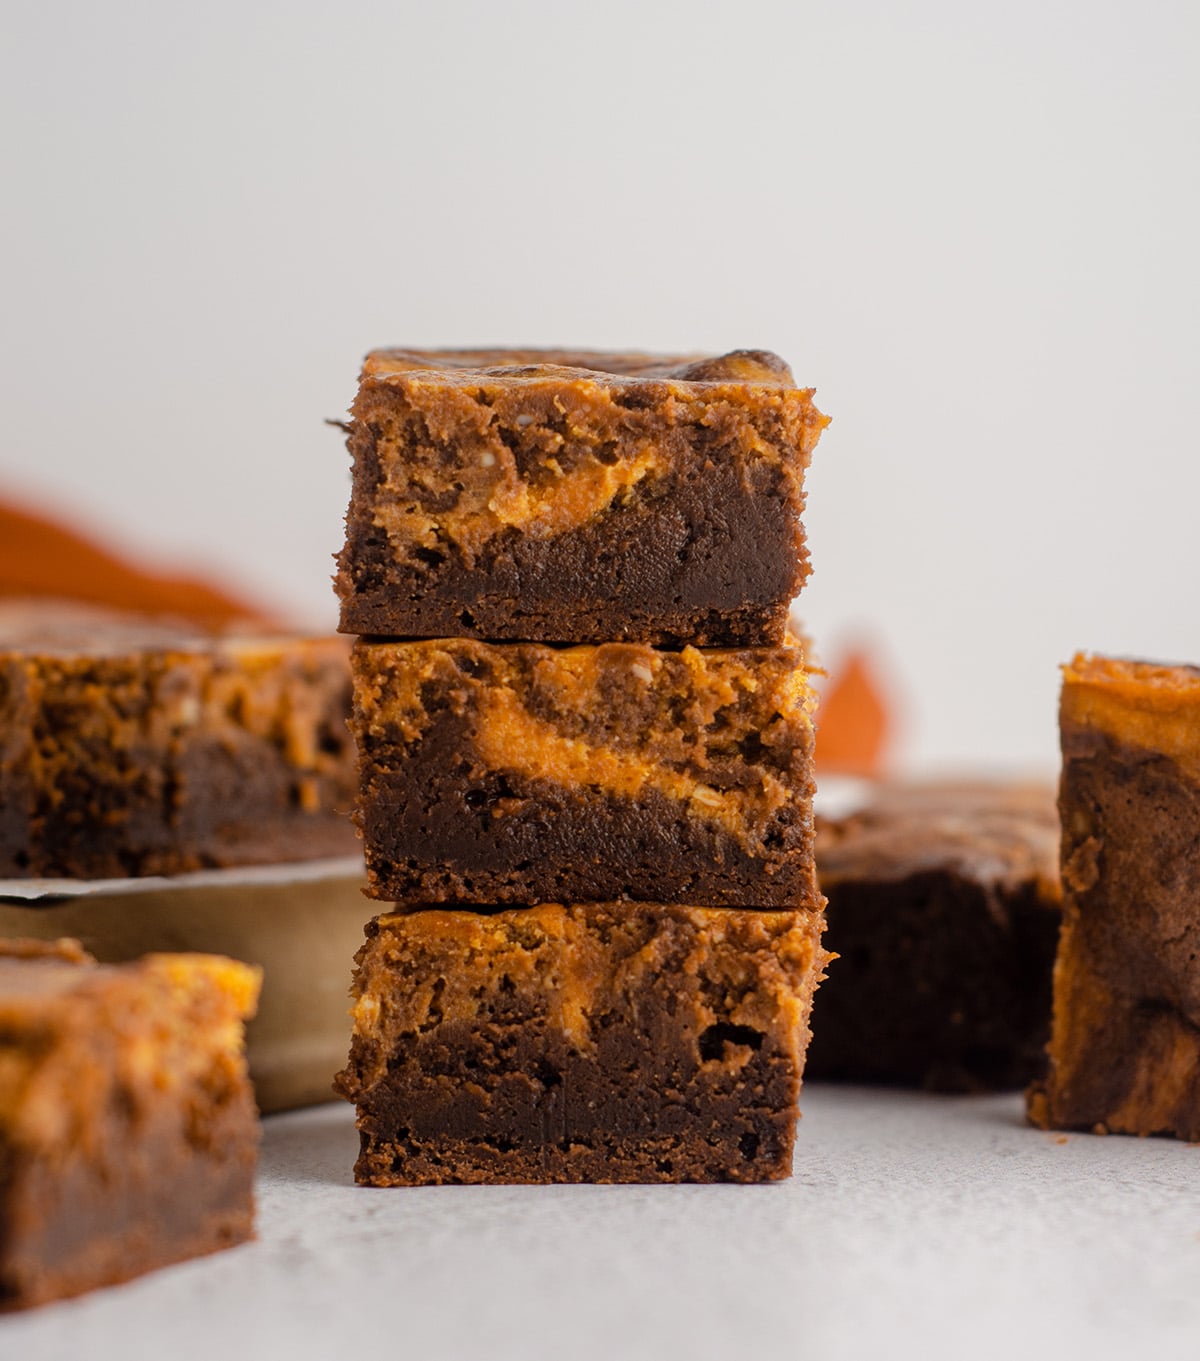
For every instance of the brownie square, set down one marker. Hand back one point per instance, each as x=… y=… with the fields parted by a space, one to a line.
x=562 y=496
x=130 y=746
x=944 y=909
x=611 y=1042
x=1125 y=1043
x=128 y=1134
x=528 y=774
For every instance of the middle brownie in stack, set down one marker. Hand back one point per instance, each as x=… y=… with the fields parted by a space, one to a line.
x=608 y=930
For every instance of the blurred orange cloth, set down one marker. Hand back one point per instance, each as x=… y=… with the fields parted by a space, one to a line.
x=853 y=720
x=39 y=557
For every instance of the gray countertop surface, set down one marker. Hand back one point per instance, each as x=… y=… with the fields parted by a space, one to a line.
x=914 y=1226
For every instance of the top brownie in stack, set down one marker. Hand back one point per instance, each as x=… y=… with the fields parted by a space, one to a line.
x=576 y=497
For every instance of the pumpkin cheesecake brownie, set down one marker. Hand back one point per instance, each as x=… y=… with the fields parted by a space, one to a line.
x=132 y=746
x=521 y=773
x=610 y=1042
x=1125 y=1043
x=576 y=496
x=128 y=1134
x=944 y=909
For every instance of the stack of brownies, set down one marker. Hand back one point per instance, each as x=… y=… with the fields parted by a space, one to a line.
x=585 y=766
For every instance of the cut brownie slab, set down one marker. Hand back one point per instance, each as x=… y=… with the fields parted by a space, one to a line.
x=524 y=773
x=133 y=747
x=562 y=496
x=944 y=909
x=612 y=1042
x=128 y=1134
x=1125 y=1046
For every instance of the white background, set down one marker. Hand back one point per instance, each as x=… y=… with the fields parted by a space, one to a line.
x=973 y=226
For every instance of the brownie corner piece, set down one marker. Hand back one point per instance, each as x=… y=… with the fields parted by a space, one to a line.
x=542 y=495
x=522 y=773
x=604 y=1042
x=1125 y=1041
x=128 y=1132
x=944 y=911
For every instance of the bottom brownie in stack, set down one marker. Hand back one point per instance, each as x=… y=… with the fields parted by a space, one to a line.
x=605 y=1042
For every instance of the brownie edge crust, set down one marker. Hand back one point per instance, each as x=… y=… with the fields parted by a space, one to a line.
x=555 y=496
x=608 y=1042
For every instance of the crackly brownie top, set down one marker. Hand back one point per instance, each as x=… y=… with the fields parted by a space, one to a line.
x=516 y=366
x=1150 y=705
x=988 y=832
x=67 y=628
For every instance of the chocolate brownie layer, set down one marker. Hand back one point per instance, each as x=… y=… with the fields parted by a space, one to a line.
x=129 y=747
x=576 y=497
x=607 y=1042
x=944 y=909
x=128 y=1135
x=523 y=773
x=1125 y=1046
